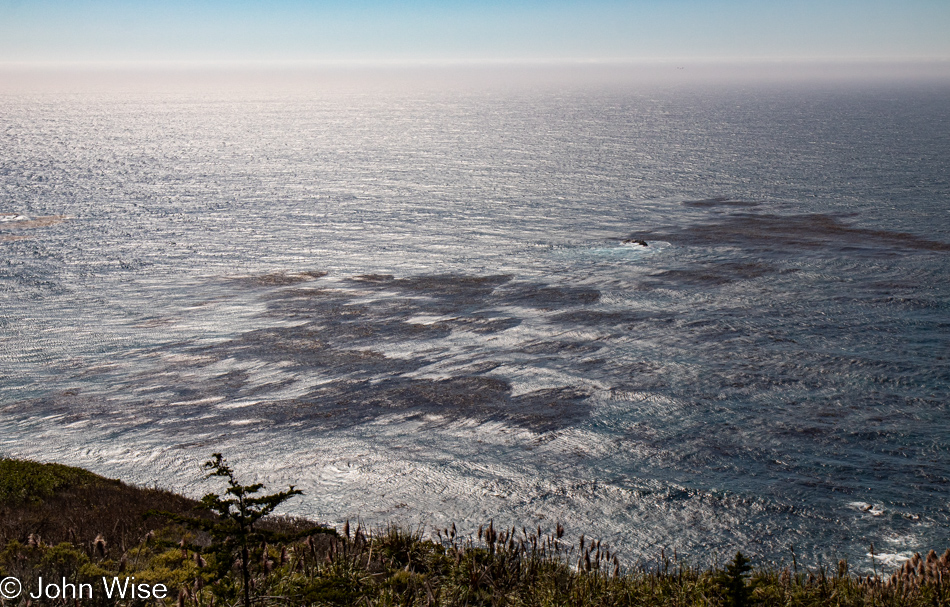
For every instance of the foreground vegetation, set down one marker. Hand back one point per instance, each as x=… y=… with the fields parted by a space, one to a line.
x=67 y=524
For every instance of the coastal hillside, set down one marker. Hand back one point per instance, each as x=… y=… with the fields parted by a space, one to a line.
x=52 y=503
x=112 y=543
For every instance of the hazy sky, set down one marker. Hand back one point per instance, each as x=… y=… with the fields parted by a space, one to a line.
x=471 y=30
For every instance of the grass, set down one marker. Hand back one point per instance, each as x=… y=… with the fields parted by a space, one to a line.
x=57 y=521
x=51 y=503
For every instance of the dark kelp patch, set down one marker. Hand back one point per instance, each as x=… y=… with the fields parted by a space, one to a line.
x=461 y=294
x=471 y=396
x=328 y=343
x=484 y=322
x=277 y=279
x=309 y=347
x=546 y=297
x=805 y=232
x=713 y=274
x=573 y=348
x=437 y=285
x=593 y=318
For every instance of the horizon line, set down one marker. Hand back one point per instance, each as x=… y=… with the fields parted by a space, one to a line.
x=516 y=62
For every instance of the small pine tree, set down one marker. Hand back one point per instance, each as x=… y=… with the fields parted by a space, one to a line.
x=734 y=580
x=238 y=511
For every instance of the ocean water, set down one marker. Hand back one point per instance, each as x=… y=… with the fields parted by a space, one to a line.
x=419 y=305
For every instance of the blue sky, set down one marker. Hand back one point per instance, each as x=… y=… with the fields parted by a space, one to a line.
x=289 y=31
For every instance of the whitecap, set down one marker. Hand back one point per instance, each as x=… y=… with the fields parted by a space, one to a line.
x=891 y=559
x=872 y=509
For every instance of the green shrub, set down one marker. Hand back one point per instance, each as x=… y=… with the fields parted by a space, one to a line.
x=24 y=481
